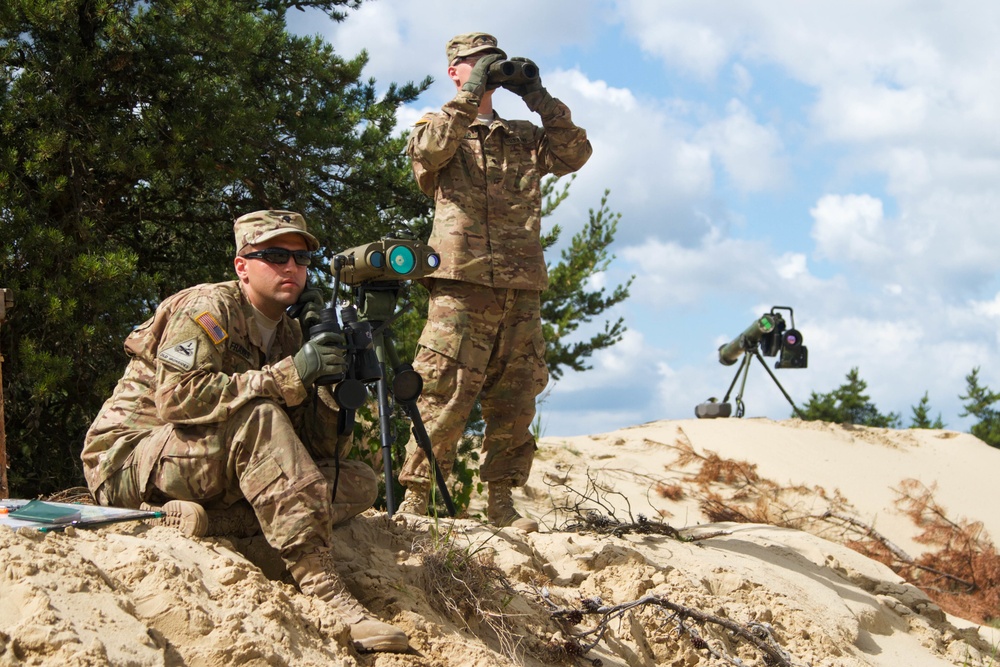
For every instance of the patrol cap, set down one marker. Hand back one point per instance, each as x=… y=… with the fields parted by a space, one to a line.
x=259 y=226
x=469 y=44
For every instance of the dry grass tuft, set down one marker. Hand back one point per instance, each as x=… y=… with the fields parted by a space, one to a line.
x=673 y=492
x=473 y=591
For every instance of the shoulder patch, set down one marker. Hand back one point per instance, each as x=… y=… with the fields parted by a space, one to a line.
x=422 y=121
x=212 y=327
x=181 y=355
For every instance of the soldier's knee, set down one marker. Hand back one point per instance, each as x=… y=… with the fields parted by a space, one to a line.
x=260 y=410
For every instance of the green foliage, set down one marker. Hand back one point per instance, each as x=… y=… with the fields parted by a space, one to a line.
x=921 y=415
x=131 y=135
x=574 y=297
x=848 y=404
x=979 y=404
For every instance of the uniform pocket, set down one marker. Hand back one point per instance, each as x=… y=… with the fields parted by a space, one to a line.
x=259 y=478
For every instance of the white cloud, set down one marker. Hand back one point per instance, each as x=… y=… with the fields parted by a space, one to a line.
x=869 y=112
x=750 y=152
x=850 y=228
x=648 y=159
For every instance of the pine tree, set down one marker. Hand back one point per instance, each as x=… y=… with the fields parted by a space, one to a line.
x=131 y=135
x=570 y=299
x=848 y=404
x=921 y=415
x=979 y=404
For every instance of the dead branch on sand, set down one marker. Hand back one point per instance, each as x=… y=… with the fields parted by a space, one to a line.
x=592 y=510
x=758 y=635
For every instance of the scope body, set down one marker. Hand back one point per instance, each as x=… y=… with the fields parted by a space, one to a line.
x=730 y=353
x=388 y=259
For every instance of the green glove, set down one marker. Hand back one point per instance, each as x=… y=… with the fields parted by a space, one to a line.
x=525 y=86
x=476 y=83
x=306 y=309
x=322 y=355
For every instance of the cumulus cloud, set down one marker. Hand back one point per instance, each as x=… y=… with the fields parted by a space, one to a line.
x=850 y=228
x=750 y=152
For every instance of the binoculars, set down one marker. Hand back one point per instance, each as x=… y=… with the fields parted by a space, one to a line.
x=513 y=72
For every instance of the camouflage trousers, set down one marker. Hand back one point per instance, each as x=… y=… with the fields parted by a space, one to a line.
x=487 y=343
x=257 y=455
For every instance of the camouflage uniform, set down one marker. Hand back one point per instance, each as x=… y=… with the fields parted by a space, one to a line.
x=483 y=335
x=201 y=414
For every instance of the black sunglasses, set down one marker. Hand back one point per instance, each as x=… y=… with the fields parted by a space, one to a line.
x=281 y=255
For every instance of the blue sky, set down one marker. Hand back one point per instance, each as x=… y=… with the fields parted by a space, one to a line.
x=839 y=158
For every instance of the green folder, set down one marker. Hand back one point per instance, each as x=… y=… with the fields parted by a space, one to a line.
x=43 y=512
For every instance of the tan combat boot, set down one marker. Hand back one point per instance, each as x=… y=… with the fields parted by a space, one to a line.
x=315 y=574
x=415 y=500
x=500 y=510
x=239 y=521
x=186 y=516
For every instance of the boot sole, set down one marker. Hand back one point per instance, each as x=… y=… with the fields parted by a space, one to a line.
x=188 y=517
x=388 y=644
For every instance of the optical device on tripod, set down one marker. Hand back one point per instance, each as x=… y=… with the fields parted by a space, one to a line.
x=767 y=335
x=375 y=272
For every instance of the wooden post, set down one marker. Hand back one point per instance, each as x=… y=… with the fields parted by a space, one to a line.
x=6 y=303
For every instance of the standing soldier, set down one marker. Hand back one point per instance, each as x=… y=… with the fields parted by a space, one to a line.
x=218 y=407
x=483 y=335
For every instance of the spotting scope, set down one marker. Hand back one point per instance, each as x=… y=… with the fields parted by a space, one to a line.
x=767 y=335
x=399 y=257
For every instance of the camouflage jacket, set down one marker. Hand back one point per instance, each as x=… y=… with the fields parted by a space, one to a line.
x=194 y=362
x=486 y=185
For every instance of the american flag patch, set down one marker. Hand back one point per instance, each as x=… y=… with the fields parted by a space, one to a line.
x=212 y=327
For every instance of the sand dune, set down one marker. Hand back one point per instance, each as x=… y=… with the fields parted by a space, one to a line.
x=132 y=594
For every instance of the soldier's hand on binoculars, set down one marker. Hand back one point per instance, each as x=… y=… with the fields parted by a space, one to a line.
x=476 y=83
x=307 y=308
x=322 y=355
x=526 y=85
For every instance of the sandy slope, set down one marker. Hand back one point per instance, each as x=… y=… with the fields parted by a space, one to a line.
x=139 y=595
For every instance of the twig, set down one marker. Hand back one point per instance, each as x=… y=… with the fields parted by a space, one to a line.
x=758 y=635
x=895 y=550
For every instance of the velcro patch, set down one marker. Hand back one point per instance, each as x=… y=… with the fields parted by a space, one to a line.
x=240 y=350
x=212 y=327
x=181 y=355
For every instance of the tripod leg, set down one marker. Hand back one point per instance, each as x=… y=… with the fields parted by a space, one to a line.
x=742 y=370
x=785 y=393
x=385 y=426
x=424 y=442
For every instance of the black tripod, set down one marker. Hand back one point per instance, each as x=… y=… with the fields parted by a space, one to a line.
x=376 y=304
x=744 y=368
